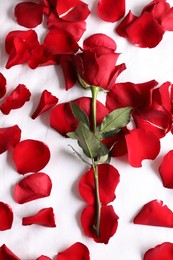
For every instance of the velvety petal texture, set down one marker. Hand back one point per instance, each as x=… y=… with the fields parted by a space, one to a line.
x=44 y=217
x=46 y=102
x=31 y=156
x=32 y=187
x=155 y=213
x=6 y=216
x=108 y=178
x=163 y=251
x=6 y=253
x=16 y=99
x=107 y=228
x=111 y=10
x=3 y=83
x=165 y=170
x=77 y=251
x=9 y=137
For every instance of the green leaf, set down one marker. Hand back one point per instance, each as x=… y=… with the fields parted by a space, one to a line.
x=72 y=135
x=113 y=122
x=91 y=146
x=82 y=82
x=79 y=113
x=103 y=159
x=78 y=154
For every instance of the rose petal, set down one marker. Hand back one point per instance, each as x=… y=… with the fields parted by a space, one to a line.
x=165 y=170
x=46 y=102
x=28 y=14
x=107 y=228
x=43 y=257
x=32 y=187
x=59 y=42
x=154 y=213
x=16 y=99
x=111 y=10
x=6 y=253
x=108 y=178
x=31 y=156
x=77 y=251
x=44 y=217
x=145 y=31
x=9 y=137
x=121 y=28
x=167 y=21
x=64 y=6
x=163 y=251
x=6 y=216
x=147 y=146
x=2 y=85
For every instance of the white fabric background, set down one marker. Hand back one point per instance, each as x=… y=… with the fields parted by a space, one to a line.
x=137 y=186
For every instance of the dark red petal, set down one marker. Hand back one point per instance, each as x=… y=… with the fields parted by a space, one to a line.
x=163 y=251
x=147 y=146
x=31 y=156
x=155 y=213
x=6 y=216
x=165 y=170
x=46 y=102
x=59 y=42
x=64 y=6
x=128 y=19
x=63 y=121
x=2 y=85
x=44 y=217
x=32 y=187
x=145 y=31
x=108 y=178
x=43 y=257
x=167 y=21
x=99 y=43
x=69 y=71
x=108 y=223
x=16 y=99
x=28 y=14
x=111 y=10
x=77 y=251
x=9 y=137
x=7 y=254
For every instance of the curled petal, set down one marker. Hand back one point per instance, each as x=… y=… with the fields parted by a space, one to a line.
x=59 y=42
x=121 y=28
x=28 y=14
x=165 y=170
x=47 y=101
x=111 y=10
x=31 y=156
x=9 y=137
x=163 y=251
x=43 y=257
x=44 y=217
x=108 y=178
x=154 y=213
x=6 y=216
x=167 y=21
x=145 y=31
x=16 y=99
x=32 y=187
x=147 y=146
x=2 y=85
x=6 y=253
x=64 y=6
x=77 y=251
x=107 y=228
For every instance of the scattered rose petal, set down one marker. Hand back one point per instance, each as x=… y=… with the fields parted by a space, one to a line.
x=32 y=187
x=6 y=216
x=31 y=156
x=59 y=42
x=6 y=253
x=128 y=19
x=28 y=14
x=64 y=6
x=154 y=213
x=108 y=177
x=147 y=146
x=16 y=99
x=9 y=137
x=163 y=251
x=2 y=85
x=47 y=101
x=77 y=251
x=43 y=257
x=111 y=10
x=167 y=21
x=44 y=217
x=107 y=228
x=165 y=170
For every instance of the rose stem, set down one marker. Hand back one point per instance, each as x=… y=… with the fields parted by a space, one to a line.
x=95 y=91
